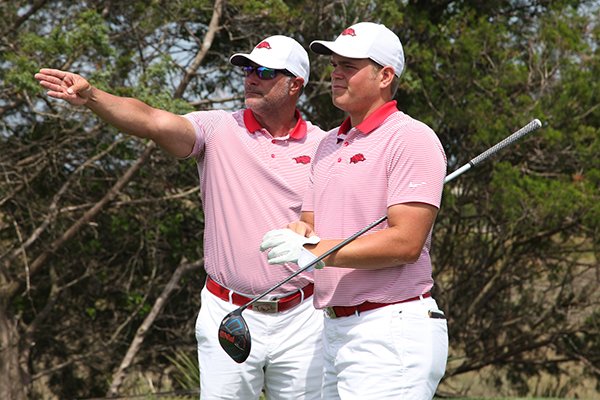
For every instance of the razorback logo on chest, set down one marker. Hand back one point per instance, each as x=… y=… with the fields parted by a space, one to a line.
x=357 y=158
x=302 y=159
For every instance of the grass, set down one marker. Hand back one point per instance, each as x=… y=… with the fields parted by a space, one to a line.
x=187 y=375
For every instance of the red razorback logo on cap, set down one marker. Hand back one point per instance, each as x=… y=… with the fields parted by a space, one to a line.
x=302 y=160
x=263 y=45
x=349 y=31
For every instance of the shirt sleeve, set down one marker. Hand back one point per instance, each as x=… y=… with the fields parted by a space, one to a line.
x=417 y=166
x=204 y=123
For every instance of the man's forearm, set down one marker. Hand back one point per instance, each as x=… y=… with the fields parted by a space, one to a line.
x=171 y=132
x=125 y=113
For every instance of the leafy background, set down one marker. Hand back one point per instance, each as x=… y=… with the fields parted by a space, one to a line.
x=101 y=234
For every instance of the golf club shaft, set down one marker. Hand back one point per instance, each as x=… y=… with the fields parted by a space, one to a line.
x=530 y=127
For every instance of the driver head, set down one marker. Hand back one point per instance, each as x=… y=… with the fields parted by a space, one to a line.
x=234 y=337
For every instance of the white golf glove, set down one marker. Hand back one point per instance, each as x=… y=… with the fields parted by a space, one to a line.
x=288 y=246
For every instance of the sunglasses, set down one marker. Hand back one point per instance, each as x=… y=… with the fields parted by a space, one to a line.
x=264 y=73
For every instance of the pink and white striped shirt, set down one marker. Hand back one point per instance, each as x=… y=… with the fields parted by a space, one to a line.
x=250 y=184
x=389 y=158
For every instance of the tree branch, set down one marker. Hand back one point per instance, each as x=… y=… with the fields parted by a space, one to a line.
x=140 y=335
x=53 y=211
x=14 y=287
x=213 y=28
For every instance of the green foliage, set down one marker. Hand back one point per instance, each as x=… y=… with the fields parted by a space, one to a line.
x=270 y=9
x=187 y=372
x=516 y=241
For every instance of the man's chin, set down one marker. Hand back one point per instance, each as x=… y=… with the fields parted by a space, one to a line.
x=255 y=104
x=251 y=101
x=338 y=100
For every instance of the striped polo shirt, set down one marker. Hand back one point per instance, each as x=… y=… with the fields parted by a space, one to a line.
x=389 y=158
x=250 y=184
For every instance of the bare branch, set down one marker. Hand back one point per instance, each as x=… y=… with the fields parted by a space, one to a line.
x=34 y=8
x=40 y=261
x=123 y=203
x=53 y=208
x=213 y=28
x=140 y=335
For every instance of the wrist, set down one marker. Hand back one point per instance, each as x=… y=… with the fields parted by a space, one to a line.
x=306 y=258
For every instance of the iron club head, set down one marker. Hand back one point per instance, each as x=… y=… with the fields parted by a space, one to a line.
x=234 y=336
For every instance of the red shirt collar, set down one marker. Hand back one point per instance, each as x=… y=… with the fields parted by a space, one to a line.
x=253 y=125
x=369 y=124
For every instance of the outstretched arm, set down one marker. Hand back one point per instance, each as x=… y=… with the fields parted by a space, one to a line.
x=172 y=132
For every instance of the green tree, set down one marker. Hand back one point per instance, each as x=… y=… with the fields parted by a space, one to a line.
x=101 y=234
x=516 y=246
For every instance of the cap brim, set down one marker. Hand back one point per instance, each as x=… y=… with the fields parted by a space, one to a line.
x=329 y=48
x=321 y=47
x=242 y=60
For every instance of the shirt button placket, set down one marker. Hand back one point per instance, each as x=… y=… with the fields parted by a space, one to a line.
x=343 y=149
x=277 y=147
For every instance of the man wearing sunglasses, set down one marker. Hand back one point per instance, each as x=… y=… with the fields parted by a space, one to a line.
x=253 y=167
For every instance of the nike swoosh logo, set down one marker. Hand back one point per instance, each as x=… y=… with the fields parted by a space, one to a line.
x=413 y=185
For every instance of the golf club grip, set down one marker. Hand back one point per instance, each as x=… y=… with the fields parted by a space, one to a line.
x=530 y=127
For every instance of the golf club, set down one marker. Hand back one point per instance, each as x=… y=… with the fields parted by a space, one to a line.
x=234 y=334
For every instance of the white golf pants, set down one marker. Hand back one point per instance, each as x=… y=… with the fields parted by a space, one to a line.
x=285 y=360
x=394 y=352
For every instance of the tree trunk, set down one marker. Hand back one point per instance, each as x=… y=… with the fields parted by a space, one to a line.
x=12 y=377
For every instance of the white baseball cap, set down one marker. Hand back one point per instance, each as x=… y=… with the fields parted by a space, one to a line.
x=366 y=40
x=277 y=52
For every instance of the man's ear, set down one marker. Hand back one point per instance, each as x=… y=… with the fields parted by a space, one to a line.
x=296 y=85
x=387 y=76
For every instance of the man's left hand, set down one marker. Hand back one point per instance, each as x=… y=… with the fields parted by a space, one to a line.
x=288 y=246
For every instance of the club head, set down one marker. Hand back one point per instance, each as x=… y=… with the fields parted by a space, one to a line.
x=234 y=336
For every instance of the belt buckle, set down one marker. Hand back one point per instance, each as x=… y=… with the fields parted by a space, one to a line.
x=330 y=313
x=266 y=306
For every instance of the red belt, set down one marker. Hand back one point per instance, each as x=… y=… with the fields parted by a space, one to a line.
x=342 y=311
x=266 y=306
